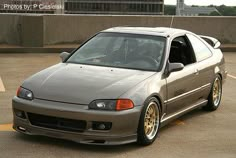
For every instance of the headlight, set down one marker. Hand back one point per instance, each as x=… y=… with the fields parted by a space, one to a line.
x=24 y=93
x=112 y=105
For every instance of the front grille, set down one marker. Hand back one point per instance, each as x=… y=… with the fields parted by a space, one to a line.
x=57 y=123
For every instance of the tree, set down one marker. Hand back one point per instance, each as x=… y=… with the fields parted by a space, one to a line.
x=222 y=10
x=227 y=11
x=215 y=13
x=169 y=9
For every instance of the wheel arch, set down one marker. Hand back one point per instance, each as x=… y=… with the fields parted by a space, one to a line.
x=218 y=72
x=221 y=77
x=158 y=97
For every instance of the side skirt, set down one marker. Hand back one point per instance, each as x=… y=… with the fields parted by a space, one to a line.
x=167 y=119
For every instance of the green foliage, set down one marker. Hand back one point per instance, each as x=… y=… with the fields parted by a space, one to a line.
x=214 y=14
x=169 y=9
x=223 y=10
x=227 y=11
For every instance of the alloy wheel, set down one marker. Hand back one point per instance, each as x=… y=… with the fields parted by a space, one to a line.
x=217 y=90
x=151 y=122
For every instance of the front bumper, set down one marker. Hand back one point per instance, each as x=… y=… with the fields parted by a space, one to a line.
x=123 y=129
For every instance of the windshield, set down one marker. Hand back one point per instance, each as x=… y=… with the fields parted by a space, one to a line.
x=132 y=51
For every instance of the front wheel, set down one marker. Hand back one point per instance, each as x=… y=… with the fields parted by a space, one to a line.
x=215 y=95
x=149 y=122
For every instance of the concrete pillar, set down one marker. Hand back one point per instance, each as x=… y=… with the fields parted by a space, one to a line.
x=179 y=7
x=61 y=9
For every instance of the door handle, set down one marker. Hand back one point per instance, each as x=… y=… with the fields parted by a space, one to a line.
x=196 y=72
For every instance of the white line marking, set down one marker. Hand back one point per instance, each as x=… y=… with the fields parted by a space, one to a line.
x=2 y=88
x=232 y=76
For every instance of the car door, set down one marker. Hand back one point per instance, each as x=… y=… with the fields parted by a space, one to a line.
x=204 y=68
x=181 y=85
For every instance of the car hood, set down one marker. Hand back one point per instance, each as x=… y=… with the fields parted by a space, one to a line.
x=81 y=84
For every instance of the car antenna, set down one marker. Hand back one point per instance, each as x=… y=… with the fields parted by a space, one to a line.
x=171 y=23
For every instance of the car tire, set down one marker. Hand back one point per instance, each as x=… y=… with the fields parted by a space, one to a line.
x=149 y=122
x=215 y=95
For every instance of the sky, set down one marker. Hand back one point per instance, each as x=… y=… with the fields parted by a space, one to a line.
x=204 y=2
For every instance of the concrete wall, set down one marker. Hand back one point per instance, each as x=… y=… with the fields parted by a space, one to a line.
x=74 y=28
x=39 y=30
x=222 y=28
x=10 y=29
x=21 y=30
x=32 y=31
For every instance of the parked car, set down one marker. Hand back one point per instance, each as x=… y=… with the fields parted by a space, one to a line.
x=121 y=86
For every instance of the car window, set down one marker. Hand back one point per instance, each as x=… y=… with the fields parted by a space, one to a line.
x=181 y=52
x=122 y=50
x=95 y=43
x=200 y=49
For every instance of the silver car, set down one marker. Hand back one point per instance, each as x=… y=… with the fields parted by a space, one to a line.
x=121 y=86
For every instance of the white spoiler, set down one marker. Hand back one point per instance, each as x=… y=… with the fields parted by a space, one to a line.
x=215 y=43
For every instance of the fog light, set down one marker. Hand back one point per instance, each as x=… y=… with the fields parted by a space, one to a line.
x=20 y=113
x=101 y=125
x=21 y=128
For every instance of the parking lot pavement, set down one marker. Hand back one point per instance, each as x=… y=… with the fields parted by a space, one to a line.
x=197 y=134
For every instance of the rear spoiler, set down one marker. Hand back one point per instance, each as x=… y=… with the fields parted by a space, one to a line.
x=215 y=43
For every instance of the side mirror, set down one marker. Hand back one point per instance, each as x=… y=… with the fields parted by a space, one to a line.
x=64 y=56
x=173 y=67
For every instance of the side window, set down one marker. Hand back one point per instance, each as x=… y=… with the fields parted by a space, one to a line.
x=181 y=52
x=200 y=49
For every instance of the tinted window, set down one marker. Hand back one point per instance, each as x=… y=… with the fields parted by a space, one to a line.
x=181 y=51
x=201 y=50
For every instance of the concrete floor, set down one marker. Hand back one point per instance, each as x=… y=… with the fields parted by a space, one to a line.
x=197 y=134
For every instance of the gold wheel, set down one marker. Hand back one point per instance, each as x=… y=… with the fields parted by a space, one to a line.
x=151 y=120
x=214 y=97
x=216 y=93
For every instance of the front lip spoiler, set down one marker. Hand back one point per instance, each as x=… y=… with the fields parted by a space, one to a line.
x=72 y=136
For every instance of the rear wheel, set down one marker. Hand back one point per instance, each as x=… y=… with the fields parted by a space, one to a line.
x=215 y=95
x=149 y=122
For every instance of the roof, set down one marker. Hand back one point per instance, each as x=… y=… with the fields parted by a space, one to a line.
x=160 y=31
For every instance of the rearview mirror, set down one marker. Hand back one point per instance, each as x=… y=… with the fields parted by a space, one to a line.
x=64 y=56
x=173 y=67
